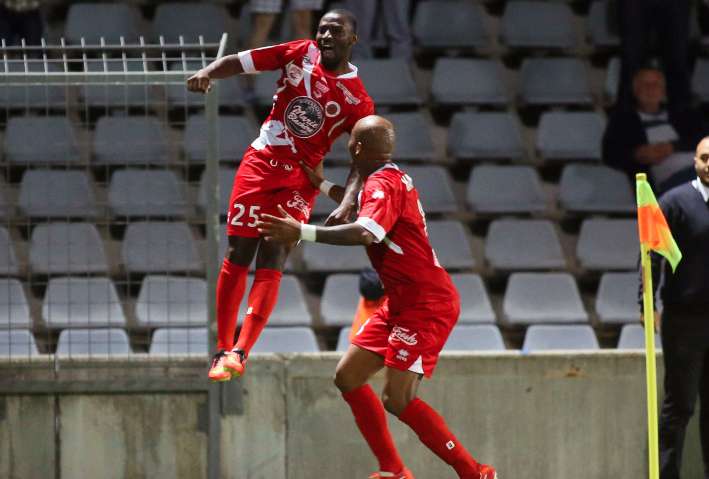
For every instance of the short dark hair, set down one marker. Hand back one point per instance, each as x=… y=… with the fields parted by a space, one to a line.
x=347 y=15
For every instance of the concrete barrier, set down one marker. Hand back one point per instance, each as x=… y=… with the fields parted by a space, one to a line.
x=553 y=415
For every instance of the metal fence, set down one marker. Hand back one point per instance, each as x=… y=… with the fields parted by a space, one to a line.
x=110 y=207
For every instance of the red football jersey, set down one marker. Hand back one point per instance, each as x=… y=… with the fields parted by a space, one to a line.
x=402 y=254
x=311 y=107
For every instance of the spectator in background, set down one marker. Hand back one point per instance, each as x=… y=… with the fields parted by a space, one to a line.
x=263 y=16
x=394 y=14
x=667 y=23
x=371 y=298
x=685 y=318
x=21 y=19
x=648 y=138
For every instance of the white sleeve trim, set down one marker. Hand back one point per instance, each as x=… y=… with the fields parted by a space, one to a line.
x=373 y=227
x=247 y=61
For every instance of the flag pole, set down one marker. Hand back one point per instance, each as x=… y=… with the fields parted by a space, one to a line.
x=650 y=359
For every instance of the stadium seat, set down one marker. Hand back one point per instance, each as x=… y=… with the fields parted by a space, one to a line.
x=286 y=340
x=541 y=248
x=379 y=75
x=617 y=298
x=413 y=137
x=612 y=82
x=597 y=26
x=481 y=337
x=179 y=341
x=32 y=140
x=595 y=189
x=138 y=192
x=632 y=336
x=570 y=136
x=339 y=154
x=560 y=337
x=554 y=81
x=230 y=92
x=93 y=342
x=67 y=248
x=171 y=301
x=485 y=136
x=226 y=180
x=608 y=244
x=527 y=24
x=14 y=309
x=339 y=299
x=35 y=96
x=135 y=94
x=108 y=21
x=236 y=134
x=449 y=24
x=325 y=258
x=57 y=194
x=475 y=306
x=8 y=258
x=160 y=247
x=433 y=184
x=265 y=87
x=324 y=205
x=7 y=207
x=17 y=343
x=537 y=298
x=81 y=303
x=343 y=340
x=190 y=20
x=290 y=310
x=495 y=189
x=130 y=140
x=450 y=242
x=464 y=81
x=700 y=80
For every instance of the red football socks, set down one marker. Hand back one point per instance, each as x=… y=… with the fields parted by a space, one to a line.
x=371 y=419
x=262 y=300
x=432 y=430
x=230 y=290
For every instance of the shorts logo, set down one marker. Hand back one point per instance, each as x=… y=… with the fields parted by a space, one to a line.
x=304 y=116
x=402 y=355
x=332 y=109
x=299 y=203
x=294 y=74
x=349 y=97
x=403 y=335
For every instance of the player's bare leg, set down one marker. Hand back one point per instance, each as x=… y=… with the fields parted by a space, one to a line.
x=270 y=261
x=231 y=285
x=353 y=372
x=399 y=398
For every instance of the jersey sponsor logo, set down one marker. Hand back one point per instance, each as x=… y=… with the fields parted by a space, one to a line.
x=294 y=74
x=304 y=117
x=403 y=335
x=349 y=97
x=299 y=203
x=332 y=109
x=320 y=89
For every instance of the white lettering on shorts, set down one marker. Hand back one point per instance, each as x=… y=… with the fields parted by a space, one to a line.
x=299 y=203
x=404 y=335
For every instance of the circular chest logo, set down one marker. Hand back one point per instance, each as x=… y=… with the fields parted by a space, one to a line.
x=304 y=117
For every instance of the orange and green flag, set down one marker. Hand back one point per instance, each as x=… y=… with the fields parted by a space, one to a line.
x=653 y=230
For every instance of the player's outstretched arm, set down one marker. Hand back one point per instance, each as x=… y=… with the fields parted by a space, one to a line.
x=316 y=177
x=225 y=67
x=348 y=202
x=288 y=230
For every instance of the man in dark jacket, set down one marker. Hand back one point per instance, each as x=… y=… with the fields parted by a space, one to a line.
x=650 y=139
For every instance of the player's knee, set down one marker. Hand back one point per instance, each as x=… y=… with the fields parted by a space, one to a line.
x=343 y=380
x=394 y=403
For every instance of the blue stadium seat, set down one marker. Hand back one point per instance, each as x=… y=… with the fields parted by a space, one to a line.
x=560 y=337
x=93 y=342
x=72 y=302
x=168 y=341
x=538 y=298
x=481 y=337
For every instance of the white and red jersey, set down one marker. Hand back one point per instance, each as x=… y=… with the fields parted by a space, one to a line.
x=311 y=106
x=402 y=254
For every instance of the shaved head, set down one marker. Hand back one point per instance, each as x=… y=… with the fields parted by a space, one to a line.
x=371 y=143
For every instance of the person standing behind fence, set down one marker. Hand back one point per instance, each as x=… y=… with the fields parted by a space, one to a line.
x=21 y=19
x=395 y=16
x=685 y=316
x=263 y=16
x=319 y=96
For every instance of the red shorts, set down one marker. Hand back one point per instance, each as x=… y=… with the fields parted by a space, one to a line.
x=409 y=340
x=260 y=185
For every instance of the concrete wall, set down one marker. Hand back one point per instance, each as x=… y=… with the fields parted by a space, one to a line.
x=537 y=416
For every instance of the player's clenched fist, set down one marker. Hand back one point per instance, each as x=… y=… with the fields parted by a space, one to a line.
x=199 y=82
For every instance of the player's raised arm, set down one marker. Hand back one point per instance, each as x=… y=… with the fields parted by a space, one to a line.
x=224 y=67
x=334 y=192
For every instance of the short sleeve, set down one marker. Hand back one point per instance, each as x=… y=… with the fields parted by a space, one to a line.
x=269 y=58
x=379 y=207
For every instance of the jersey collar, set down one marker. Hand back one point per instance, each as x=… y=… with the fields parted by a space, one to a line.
x=701 y=188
